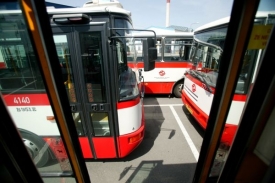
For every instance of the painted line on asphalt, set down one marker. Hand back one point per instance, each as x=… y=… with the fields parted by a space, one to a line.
x=185 y=134
x=163 y=105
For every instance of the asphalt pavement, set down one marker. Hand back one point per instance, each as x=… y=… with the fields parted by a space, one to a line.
x=168 y=153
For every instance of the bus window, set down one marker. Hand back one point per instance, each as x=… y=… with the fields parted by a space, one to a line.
x=19 y=68
x=174 y=49
x=92 y=61
x=61 y=45
x=127 y=79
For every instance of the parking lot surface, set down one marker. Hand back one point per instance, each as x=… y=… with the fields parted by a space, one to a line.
x=168 y=153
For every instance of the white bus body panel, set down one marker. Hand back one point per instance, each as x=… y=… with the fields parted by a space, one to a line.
x=203 y=99
x=164 y=75
x=38 y=122
x=130 y=119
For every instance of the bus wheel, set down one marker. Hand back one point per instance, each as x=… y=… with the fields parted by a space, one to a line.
x=177 y=90
x=37 y=148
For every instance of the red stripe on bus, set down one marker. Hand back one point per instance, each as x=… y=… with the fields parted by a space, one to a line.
x=85 y=146
x=125 y=144
x=196 y=112
x=104 y=147
x=2 y=65
x=202 y=119
x=26 y=99
x=169 y=64
x=158 y=87
x=129 y=103
x=239 y=97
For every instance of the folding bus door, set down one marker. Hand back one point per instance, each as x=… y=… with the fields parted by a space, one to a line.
x=83 y=58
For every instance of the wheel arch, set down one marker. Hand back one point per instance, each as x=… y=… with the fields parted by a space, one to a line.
x=176 y=83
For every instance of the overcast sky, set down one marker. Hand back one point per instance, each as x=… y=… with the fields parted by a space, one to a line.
x=186 y=13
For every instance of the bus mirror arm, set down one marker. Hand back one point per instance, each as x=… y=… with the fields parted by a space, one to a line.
x=149 y=46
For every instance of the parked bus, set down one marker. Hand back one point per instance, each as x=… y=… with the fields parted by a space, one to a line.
x=104 y=93
x=172 y=61
x=200 y=81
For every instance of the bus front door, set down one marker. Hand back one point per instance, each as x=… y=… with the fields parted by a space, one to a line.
x=83 y=60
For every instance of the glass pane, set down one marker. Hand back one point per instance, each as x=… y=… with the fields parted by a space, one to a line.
x=261 y=28
x=159 y=49
x=174 y=49
x=128 y=87
x=60 y=179
x=138 y=49
x=100 y=124
x=78 y=123
x=131 y=51
x=64 y=57
x=22 y=89
x=91 y=52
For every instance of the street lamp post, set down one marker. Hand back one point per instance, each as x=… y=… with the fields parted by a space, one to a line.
x=191 y=25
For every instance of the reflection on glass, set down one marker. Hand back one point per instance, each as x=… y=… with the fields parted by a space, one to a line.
x=91 y=53
x=78 y=123
x=252 y=56
x=61 y=45
x=131 y=50
x=207 y=56
x=128 y=87
x=22 y=89
x=100 y=124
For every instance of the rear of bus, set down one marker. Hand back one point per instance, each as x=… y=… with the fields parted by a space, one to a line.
x=173 y=50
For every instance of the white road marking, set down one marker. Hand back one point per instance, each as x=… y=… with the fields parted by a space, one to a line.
x=163 y=105
x=185 y=134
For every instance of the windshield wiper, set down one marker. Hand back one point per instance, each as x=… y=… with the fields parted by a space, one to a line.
x=201 y=77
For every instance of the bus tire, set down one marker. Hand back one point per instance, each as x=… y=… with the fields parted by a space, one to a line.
x=177 y=89
x=34 y=145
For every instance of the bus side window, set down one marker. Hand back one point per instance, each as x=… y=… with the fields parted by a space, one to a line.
x=19 y=69
x=140 y=59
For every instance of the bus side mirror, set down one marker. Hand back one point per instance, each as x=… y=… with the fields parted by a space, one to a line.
x=149 y=54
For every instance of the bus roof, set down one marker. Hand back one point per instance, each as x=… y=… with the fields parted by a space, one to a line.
x=103 y=3
x=224 y=21
x=87 y=8
x=95 y=9
x=164 y=34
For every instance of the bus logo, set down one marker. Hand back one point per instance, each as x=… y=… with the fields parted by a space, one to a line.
x=162 y=73
x=193 y=87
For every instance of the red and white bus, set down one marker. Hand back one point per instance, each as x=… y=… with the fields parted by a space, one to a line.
x=104 y=93
x=172 y=49
x=200 y=81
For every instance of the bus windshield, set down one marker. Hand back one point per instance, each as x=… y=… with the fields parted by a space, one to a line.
x=206 y=55
x=128 y=87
